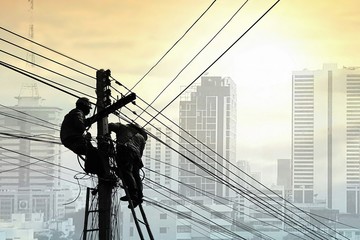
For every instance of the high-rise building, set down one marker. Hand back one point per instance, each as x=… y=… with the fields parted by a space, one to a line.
x=29 y=181
x=326 y=137
x=208 y=113
x=284 y=173
x=159 y=159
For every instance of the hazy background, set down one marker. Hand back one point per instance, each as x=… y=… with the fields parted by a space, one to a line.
x=129 y=37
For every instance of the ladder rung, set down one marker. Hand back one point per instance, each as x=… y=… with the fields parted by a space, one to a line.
x=141 y=221
x=92 y=230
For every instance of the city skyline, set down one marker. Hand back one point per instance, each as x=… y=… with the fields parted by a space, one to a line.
x=207 y=81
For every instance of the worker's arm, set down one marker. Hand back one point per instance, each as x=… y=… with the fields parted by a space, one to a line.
x=113 y=127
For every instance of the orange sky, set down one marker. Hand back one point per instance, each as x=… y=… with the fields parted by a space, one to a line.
x=129 y=36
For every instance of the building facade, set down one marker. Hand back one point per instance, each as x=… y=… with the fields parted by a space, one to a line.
x=159 y=159
x=208 y=113
x=326 y=137
x=29 y=182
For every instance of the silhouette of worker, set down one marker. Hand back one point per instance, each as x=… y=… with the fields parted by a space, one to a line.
x=72 y=135
x=130 y=143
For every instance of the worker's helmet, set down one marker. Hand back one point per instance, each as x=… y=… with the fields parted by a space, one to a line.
x=84 y=104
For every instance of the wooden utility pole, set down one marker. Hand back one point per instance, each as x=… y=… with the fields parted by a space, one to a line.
x=105 y=185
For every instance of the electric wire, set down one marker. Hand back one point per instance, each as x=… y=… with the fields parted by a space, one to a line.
x=43 y=46
x=41 y=172
x=200 y=229
x=225 y=199
x=252 y=198
x=44 y=137
x=182 y=36
x=27 y=114
x=34 y=77
x=44 y=81
x=260 y=220
x=218 y=58
x=27 y=121
x=29 y=138
x=53 y=72
x=155 y=116
x=32 y=139
x=194 y=221
x=41 y=160
x=171 y=129
x=51 y=60
x=214 y=223
x=222 y=216
x=216 y=199
x=32 y=163
x=277 y=210
x=264 y=205
x=248 y=176
x=202 y=151
x=207 y=209
x=197 y=54
x=49 y=70
x=254 y=203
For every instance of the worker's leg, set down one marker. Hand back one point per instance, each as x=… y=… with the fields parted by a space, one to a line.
x=94 y=161
x=125 y=166
x=139 y=186
x=76 y=144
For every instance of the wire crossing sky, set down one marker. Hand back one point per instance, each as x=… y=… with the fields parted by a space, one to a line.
x=129 y=38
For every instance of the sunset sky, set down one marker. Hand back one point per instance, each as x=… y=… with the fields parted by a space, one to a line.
x=129 y=37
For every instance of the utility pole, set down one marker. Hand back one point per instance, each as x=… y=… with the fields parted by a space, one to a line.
x=104 y=185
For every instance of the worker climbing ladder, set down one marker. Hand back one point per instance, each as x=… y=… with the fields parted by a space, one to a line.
x=136 y=220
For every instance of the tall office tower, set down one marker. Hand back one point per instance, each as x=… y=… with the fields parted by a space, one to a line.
x=284 y=173
x=326 y=138
x=159 y=160
x=29 y=180
x=208 y=113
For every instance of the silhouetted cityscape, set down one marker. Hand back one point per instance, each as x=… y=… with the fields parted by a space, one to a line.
x=195 y=186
